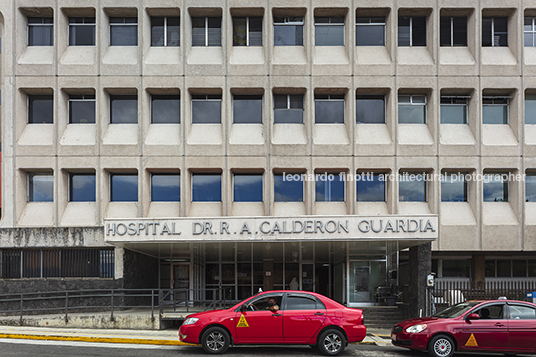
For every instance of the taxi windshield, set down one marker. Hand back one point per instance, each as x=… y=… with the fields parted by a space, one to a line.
x=456 y=310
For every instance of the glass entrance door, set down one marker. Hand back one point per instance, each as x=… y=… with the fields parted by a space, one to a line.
x=365 y=276
x=181 y=281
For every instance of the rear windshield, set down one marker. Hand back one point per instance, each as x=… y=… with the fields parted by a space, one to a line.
x=456 y=310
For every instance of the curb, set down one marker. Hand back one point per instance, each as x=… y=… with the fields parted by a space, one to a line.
x=96 y=339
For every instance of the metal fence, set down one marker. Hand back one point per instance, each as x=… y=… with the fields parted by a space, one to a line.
x=450 y=292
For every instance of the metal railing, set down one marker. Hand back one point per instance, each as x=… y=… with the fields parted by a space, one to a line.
x=109 y=300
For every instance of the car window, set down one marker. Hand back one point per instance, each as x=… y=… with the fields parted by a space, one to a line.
x=302 y=303
x=491 y=312
x=265 y=303
x=518 y=312
x=456 y=310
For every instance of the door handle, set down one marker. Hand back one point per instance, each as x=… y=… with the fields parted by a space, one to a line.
x=498 y=324
x=319 y=313
x=277 y=314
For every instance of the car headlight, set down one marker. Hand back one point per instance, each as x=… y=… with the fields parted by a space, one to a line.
x=416 y=328
x=190 y=320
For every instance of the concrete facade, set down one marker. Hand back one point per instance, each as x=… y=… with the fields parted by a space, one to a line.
x=475 y=227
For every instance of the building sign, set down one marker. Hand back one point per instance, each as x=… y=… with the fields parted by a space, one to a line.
x=272 y=228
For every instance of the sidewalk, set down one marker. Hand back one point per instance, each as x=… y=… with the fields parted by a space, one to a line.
x=147 y=337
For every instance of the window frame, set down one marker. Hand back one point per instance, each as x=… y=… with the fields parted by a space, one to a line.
x=192 y=174
x=287 y=22
x=248 y=32
x=451 y=33
x=374 y=174
x=165 y=31
x=411 y=40
x=532 y=31
x=425 y=185
x=29 y=106
x=412 y=103
x=493 y=32
x=162 y=97
x=30 y=185
x=448 y=180
x=82 y=24
x=370 y=23
x=70 y=186
x=288 y=107
x=452 y=99
x=110 y=178
x=527 y=182
x=371 y=97
x=329 y=23
x=206 y=31
x=37 y=25
x=329 y=99
x=247 y=174
x=293 y=174
x=255 y=97
x=124 y=24
x=197 y=98
x=505 y=186
x=338 y=179
x=113 y=97
x=153 y=174
x=83 y=99
x=493 y=98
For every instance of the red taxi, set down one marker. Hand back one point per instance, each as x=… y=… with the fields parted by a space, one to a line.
x=501 y=326
x=277 y=317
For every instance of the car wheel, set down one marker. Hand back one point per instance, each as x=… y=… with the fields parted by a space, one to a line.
x=331 y=342
x=441 y=346
x=215 y=340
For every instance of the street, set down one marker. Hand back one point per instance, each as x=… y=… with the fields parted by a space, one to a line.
x=17 y=348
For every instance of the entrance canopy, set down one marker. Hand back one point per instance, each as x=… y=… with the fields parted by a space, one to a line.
x=162 y=236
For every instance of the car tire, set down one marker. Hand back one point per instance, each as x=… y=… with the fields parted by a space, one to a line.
x=215 y=340
x=331 y=342
x=441 y=346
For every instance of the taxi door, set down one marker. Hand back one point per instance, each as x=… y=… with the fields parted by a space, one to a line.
x=521 y=328
x=258 y=324
x=489 y=332
x=304 y=316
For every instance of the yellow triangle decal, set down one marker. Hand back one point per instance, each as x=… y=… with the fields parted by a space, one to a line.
x=471 y=342
x=242 y=322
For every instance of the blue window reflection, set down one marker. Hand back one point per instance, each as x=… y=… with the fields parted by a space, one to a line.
x=496 y=187
x=165 y=187
x=411 y=187
x=288 y=188
x=40 y=187
x=206 y=187
x=82 y=187
x=371 y=187
x=247 y=188
x=453 y=187
x=329 y=188
x=123 y=187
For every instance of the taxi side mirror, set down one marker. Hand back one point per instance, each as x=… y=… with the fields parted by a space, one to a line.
x=243 y=307
x=472 y=316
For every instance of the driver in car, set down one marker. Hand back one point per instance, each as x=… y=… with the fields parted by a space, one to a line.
x=272 y=306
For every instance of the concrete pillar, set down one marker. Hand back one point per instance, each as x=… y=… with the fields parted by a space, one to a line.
x=268 y=281
x=420 y=265
x=478 y=271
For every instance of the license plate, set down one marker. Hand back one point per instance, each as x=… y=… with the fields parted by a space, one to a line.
x=393 y=337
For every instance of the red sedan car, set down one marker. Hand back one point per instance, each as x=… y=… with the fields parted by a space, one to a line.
x=503 y=326
x=277 y=317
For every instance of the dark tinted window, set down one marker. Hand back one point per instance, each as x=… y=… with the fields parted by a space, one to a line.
x=123 y=109
x=82 y=109
x=411 y=31
x=329 y=109
x=288 y=109
x=40 y=31
x=206 y=109
x=370 y=109
x=81 y=31
x=494 y=31
x=165 y=109
x=288 y=31
x=206 y=31
x=82 y=188
x=370 y=31
x=40 y=109
x=165 y=31
x=301 y=303
x=123 y=31
x=247 y=109
x=453 y=31
x=490 y=312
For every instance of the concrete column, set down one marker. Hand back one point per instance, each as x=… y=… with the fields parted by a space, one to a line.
x=478 y=271
x=420 y=265
x=268 y=282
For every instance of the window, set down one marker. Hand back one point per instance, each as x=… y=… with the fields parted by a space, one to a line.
x=496 y=187
x=302 y=303
x=455 y=268
x=206 y=31
x=82 y=187
x=518 y=268
x=453 y=31
x=329 y=187
x=123 y=187
x=329 y=31
x=530 y=187
x=206 y=109
x=81 y=31
x=40 y=109
x=40 y=31
x=370 y=31
x=329 y=108
x=494 y=31
x=165 y=187
x=288 y=31
x=123 y=31
x=411 y=31
x=371 y=187
x=206 y=187
x=265 y=303
x=412 y=187
x=247 y=31
x=519 y=312
x=453 y=187
x=288 y=188
x=55 y=263
x=165 y=109
x=529 y=30
x=530 y=108
x=82 y=109
x=40 y=187
x=123 y=109
x=495 y=110
x=247 y=188
x=288 y=109
x=247 y=109
x=495 y=312
x=453 y=110
x=412 y=109
x=370 y=109
x=165 y=31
